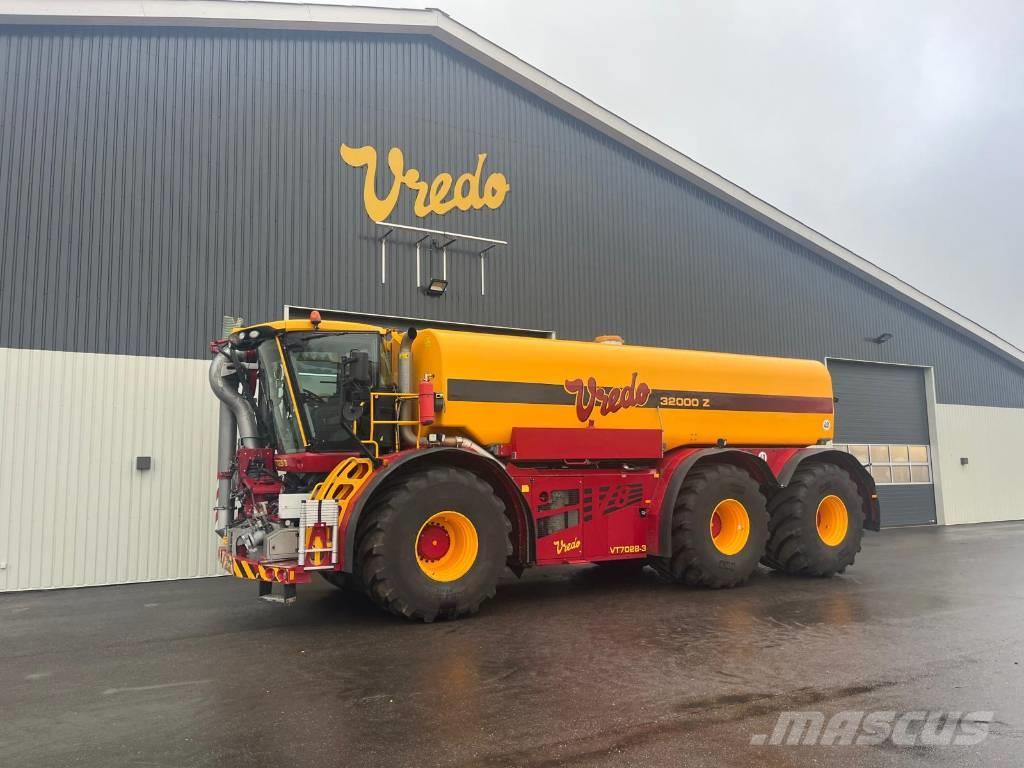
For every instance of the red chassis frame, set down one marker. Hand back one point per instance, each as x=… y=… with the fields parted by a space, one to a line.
x=583 y=494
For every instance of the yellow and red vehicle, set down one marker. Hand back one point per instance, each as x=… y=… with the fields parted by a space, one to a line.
x=420 y=466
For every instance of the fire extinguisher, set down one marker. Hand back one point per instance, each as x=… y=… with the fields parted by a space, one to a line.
x=426 y=395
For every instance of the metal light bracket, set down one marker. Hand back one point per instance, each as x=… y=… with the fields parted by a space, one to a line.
x=449 y=238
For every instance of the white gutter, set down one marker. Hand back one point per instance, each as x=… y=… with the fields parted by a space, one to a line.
x=435 y=23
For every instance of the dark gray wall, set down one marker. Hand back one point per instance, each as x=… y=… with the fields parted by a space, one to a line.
x=155 y=179
x=885 y=404
x=907 y=505
x=879 y=403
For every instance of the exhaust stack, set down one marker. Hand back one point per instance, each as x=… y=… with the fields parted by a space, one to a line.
x=235 y=417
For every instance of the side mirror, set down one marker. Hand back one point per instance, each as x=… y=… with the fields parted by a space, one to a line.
x=359 y=366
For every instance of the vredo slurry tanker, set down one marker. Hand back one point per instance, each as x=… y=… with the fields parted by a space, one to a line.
x=420 y=466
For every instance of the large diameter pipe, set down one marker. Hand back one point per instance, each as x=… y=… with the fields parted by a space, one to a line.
x=225 y=387
x=234 y=411
x=457 y=441
x=226 y=436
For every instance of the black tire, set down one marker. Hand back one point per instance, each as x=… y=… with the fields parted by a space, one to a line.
x=794 y=545
x=386 y=540
x=695 y=558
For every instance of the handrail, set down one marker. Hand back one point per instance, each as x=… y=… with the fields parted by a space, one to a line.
x=396 y=423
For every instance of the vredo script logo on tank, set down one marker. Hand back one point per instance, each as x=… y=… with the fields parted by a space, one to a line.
x=471 y=191
x=611 y=399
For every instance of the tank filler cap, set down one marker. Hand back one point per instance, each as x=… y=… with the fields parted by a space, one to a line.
x=610 y=339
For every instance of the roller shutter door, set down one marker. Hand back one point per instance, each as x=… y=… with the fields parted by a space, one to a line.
x=882 y=419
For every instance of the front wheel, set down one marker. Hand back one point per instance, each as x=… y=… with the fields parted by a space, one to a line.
x=433 y=545
x=816 y=522
x=719 y=528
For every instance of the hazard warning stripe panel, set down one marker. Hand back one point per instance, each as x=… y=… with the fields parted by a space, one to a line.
x=245 y=569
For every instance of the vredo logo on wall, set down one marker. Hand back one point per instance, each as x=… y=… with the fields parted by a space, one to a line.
x=470 y=191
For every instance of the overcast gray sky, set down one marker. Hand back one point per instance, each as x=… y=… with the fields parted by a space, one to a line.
x=894 y=128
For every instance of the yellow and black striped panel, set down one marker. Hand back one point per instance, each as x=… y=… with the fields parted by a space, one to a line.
x=243 y=569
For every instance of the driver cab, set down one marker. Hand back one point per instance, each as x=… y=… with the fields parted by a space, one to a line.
x=334 y=374
x=315 y=381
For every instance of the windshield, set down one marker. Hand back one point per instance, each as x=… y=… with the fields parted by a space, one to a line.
x=275 y=404
x=332 y=402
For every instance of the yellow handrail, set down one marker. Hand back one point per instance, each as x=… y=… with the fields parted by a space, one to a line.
x=396 y=423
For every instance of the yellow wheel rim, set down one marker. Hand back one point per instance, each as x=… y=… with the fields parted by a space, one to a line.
x=730 y=527
x=446 y=546
x=832 y=521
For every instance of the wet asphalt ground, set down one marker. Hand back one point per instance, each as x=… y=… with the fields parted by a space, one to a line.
x=567 y=666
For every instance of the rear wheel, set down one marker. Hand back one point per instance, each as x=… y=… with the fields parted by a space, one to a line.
x=816 y=522
x=434 y=545
x=719 y=528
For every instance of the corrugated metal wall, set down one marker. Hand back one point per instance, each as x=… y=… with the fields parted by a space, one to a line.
x=156 y=179
x=879 y=403
x=985 y=489
x=76 y=511
x=885 y=404
x=907 y=505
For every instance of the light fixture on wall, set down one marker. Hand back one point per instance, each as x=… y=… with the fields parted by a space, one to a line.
x=471 y=243
x=436 y=287
x=882 y=338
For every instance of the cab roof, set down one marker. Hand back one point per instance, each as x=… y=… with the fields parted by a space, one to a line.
x=330 y=326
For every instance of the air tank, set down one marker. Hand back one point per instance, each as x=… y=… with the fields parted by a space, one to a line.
x=492 y=383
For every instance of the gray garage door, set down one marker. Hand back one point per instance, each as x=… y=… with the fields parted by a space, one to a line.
x=882 y=419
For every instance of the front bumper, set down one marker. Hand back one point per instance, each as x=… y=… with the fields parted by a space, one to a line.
x=244 y=568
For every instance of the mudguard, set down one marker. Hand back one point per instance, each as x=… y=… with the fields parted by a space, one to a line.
x=487 y=468
x=677 y=465
x=865 y=482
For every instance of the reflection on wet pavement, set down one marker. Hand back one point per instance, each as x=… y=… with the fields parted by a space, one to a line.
x=567 y=666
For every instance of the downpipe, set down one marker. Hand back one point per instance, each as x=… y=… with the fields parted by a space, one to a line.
x=236 y=421
x=407 y=435
x=226 y=436
x=222 y=371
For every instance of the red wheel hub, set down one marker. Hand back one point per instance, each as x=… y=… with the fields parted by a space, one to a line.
x=434 y=542
x=716 y=525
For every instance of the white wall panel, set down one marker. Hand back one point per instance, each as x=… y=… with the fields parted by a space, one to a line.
x=75 y=511
x=989 y=438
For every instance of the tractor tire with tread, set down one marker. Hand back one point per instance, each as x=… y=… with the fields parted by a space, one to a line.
x=794 y=545
x=695 y=559
x=386 y=559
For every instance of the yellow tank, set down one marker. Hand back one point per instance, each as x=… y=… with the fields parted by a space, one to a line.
x=493 y=383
